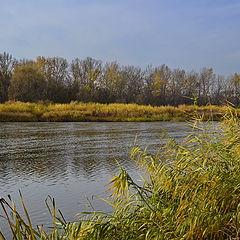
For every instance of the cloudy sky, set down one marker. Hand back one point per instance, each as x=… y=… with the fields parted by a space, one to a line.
x=189 y=34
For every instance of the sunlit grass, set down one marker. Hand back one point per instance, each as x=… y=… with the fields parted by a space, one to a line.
x=77 y=111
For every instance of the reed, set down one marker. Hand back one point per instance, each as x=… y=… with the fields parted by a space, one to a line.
x=189 y=190
x=77 y=111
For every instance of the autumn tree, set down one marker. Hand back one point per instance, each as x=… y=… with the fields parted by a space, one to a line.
x=56 y=80
x=56 y=74
x=156 y=82
x=86 y=76
x=113 y=83
x=27 y=84
x=190 y=88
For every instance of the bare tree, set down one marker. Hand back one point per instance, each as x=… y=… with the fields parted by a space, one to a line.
x=55 y=71
x=134 y=83
x=6 y=68
x=205 y=80
x=235 y=82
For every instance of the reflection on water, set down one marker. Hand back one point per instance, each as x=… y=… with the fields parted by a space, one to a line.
x=70 y=160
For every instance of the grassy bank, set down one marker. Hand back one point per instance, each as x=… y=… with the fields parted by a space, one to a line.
x=190 y=190
x=32 y=112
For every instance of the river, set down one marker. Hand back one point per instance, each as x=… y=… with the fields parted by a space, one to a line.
x=71 y=161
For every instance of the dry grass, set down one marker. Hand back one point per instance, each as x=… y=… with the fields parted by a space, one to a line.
x=77 y=111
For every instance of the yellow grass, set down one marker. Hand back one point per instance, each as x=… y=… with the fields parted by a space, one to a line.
x=78 y=111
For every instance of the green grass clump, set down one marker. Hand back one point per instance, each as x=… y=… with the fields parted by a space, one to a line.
x=190 y=190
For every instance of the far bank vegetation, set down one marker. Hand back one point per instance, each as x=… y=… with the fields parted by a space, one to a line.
x=89 y=80
x=78 y=111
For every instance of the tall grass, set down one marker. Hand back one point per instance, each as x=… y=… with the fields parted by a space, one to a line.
x=189 y=190
x=77 y=111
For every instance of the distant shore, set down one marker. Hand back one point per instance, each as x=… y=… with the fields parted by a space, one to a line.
x=82 y=112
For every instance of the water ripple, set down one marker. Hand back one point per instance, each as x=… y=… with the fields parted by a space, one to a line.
x=70 y=160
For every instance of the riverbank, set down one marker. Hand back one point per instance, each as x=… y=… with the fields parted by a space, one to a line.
x=81 y=112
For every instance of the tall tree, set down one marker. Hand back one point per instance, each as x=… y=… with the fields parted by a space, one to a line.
x=56 y=74
x=86 y=76
x=6 y=68
x=175 y=87
x=206 y=80
x=190 y=88
x=156 y=84
x=113 y=83
x=27 y=84
x=235 y=81
x=218 y=95
x=134 y=84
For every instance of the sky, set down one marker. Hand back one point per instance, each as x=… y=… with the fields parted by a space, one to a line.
x=186 y=34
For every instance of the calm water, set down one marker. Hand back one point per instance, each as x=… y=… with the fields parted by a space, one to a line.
x=70 y=161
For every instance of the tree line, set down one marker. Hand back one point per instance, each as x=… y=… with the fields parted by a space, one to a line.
x=90 y=80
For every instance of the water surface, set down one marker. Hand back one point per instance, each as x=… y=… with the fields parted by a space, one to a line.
x=70 y=161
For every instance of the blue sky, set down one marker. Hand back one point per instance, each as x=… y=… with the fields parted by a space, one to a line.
x=188 y=34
